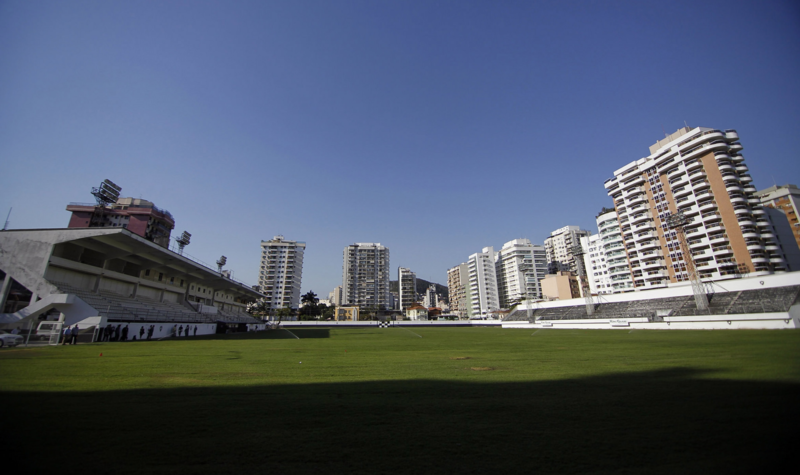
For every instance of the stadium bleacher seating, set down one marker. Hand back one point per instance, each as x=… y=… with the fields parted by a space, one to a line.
x=116 y=307
x=778 y=299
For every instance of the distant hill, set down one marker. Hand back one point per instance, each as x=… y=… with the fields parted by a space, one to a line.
x=422 y=287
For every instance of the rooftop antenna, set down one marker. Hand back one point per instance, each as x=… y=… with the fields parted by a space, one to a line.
x=183 y=241
x=7 y=216
x=684 y=123
x=678 y=221
x=221 y=263
x=664 y=130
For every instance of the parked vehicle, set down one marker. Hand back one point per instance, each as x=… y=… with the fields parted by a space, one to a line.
x=9 y=339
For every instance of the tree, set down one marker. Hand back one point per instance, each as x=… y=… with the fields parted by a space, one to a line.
x=309 y=298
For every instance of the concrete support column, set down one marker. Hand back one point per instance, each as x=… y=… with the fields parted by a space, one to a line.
x=4 y=293
x=135 y=290
x=97 y=283
x=34 y=298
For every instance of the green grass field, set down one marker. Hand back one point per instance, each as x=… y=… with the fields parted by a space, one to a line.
x=419 y=400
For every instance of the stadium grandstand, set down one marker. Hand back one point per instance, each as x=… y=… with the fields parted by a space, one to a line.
x=762 y=302
x=96 y=277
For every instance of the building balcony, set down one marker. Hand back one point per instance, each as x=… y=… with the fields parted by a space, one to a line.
x=718 y=239
x=653 y=264
x=636 y=199
x=681 y=191
x=707 y=206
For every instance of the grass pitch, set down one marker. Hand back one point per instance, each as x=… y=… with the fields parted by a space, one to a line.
x=419 y=400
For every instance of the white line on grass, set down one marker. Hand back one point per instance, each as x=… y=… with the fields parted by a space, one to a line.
x=537 y=331
x=291 y=333
x=406 y=329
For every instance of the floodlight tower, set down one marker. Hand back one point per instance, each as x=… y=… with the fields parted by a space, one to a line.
x=577 y=254
x=106 y=194
x=678 y=221
x=183 y=241
x=221 y=263
x=525 y=268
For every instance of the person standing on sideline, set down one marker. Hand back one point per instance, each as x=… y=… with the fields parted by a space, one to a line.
x=125 y=333
x=67 y=334
x=75 y=335
x=195 y=330
x=150 y=331
x=180 y=330
x=141 y=332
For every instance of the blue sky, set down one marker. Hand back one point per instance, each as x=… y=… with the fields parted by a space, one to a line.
x=433 y=127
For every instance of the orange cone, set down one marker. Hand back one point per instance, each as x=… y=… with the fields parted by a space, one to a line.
x=101 y=354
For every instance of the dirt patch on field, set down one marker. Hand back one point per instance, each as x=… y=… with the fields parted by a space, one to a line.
x=461 y=358
x=482 y=368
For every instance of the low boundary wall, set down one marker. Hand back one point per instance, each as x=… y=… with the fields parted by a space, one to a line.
x=398 y=323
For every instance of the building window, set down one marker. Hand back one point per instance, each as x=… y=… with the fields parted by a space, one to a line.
x=160 y=276
x=147 y=273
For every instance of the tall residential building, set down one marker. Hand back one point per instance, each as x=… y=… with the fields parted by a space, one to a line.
x=335 y=296
x=365 y=275
x=407 y=285
x=781 y=204
x=281 y=272
x=138 y=216
x=559 y=248
x=604 y=256
x=457 y=280
x=483 y=295
x=431 y=297
x=520 y=266
x=702 y=173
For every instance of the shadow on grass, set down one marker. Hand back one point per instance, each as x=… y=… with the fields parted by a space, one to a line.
x=671 y=421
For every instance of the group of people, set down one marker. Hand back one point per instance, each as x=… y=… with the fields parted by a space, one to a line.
x=120 y=333
x=71 y=335
x=180 y=330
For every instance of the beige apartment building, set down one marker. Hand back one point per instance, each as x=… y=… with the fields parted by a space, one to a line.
x=700 y=172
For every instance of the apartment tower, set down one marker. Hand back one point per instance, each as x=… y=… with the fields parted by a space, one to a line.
x=559 y=249
x=407 y=285
x=700 y=172
x=365 y=275
x=607 y=268
x=782 y=204
x=281 y=272
x=520 y=266
x=457 y=280
x=482 y=284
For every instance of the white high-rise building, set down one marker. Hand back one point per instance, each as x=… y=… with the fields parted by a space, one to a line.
x=407 y=287
x=482 y=285
x=281 y=272
x=431 y=297
x=558 y=247
x=701 y=173
x=604 y=256
x=520 y=266
x=365 y=275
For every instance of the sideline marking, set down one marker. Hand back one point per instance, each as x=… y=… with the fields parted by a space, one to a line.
x=537 y=331
x=290 y=333
x=406 y=329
